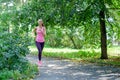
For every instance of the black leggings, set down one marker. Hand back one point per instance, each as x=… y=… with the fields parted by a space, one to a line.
x=40 y=46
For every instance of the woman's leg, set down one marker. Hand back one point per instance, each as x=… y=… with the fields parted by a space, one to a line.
x=42 y=45
x=38 y=45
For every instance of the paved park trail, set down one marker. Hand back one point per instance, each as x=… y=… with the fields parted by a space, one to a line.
x=54 y=69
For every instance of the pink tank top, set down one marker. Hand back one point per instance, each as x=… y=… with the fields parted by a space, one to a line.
x=40 y=36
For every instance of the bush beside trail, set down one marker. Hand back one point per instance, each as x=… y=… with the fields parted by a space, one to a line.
x=13 y=64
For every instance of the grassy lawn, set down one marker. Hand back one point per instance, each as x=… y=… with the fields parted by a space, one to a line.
x=84 y=55
x=114 y=51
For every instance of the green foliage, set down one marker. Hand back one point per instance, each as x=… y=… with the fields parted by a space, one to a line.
x=65 y=18
x=14 y=42
x=13 y=50
x=27 y=74
x=4 y=74
x=69 y=23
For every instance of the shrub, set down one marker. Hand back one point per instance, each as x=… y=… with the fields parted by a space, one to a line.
x=13 y=64
x=13 y=49
x=27 y=73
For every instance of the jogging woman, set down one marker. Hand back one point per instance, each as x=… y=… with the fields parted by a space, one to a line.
x=40 y=32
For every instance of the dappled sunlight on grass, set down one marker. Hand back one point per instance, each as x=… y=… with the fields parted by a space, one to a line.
x=54 y=50
x=82 y=55
x=66 y=53
x=91 y=50
x=57 y=50
x=32 y=48
x=114 y=51
x=112 y=61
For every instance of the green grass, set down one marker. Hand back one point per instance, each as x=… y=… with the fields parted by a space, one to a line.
x=72 y=55
x=114 y=51
x=27 y=74
x=84 y=55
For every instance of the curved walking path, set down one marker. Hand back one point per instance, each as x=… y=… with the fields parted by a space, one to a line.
x=54 y=69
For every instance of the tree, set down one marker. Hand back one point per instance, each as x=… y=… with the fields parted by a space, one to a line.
x=101 y=10
x=13 y=44
x=103 y=35
x=70 y=14
x=103 y=29
x=94 y=9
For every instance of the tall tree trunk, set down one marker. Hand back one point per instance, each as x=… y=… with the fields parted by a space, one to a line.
x=103 y=35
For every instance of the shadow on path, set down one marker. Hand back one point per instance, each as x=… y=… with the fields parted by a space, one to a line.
x=54 y=69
